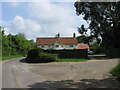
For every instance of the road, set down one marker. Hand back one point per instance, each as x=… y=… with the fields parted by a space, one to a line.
x=89 y=74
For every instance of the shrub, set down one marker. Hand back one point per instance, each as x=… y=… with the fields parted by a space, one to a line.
x=39 y=56
x=116 y=72
x=34 y=53
x=47 y=57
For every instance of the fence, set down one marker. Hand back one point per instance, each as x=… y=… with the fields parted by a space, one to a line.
x=77 y=53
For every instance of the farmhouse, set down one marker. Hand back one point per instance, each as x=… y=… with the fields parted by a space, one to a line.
x=57 y=43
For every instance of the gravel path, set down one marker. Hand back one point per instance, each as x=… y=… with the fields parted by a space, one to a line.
x=88 y=74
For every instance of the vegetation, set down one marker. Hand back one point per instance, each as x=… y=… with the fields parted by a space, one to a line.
x=14 y=45
x=83 y=39
x=76 y=53
x=116 y=72
x=104 y=23
x=10 y=57
x=71 y=60
x=97 y=48
x=39 y=56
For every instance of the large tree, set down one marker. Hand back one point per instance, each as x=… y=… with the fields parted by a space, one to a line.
x=83 y=39
x=104 y=21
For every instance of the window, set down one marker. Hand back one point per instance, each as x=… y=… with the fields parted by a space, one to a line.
x=71 y=45
x=42 y=46
x=56 y=45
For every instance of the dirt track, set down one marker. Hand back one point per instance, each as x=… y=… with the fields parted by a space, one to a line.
x=88 y=74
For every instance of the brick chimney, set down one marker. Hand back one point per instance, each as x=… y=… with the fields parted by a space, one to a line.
x=58 y=35
x=74 y=35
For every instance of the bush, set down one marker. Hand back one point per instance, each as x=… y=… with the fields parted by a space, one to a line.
x=34 y=53
x=97 y=49
x=116 y=72
x=47 y=57
x=113 y=53
x=39 y=56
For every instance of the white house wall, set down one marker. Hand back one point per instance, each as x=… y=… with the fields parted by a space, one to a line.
x=68 y=47
x=57 y=48
x=45 y=47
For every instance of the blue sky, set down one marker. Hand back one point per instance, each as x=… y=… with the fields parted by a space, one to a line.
x=40 y=19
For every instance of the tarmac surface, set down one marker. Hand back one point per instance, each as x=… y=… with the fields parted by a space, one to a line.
x=88 y=74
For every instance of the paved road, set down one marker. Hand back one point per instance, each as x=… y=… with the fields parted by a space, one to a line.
x=88 y=74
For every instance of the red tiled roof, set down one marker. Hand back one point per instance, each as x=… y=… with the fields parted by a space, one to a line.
x=49 y=41
x=82 y=46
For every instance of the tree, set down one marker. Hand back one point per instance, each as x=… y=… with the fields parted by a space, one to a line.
x=83 y=39
x=0 y=42
x=97 y=48
x=22 y=35
x=104 y=19
x=15 y=44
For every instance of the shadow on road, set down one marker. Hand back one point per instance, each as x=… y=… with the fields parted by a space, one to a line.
x=23 y=60
x=84 y=83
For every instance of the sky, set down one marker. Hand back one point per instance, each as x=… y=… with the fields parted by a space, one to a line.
x=40 y=19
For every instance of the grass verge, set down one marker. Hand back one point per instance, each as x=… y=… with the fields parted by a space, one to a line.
x=72 y=60
x=116 y=72
x=10 y=57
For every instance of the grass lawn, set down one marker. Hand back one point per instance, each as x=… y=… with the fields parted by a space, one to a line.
x=10 y=57
x=72 y=60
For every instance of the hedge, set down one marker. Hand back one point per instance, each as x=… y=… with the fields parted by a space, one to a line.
x=113 y=53
x=76 y=53
x=39 y=56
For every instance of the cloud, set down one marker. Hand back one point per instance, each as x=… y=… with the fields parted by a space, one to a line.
x=46 y=19
x=27 y=26
x=55 y=18
x=14 y=4
x=39 y=1
x=7 y=31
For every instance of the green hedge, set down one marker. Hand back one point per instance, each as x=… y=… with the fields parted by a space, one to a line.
x=76 y=53
x=39 y=56
x=113 y=53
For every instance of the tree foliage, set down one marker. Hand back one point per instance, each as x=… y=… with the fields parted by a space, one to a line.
x=104 y=19
x=15 y=44
x=97 y=48
x=83 y=39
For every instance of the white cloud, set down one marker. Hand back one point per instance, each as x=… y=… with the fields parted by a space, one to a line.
x=55 y=18
x=27 y=26
x=38 y=0
x=14 y=4
x=46 y=19
x=7 y=31
x=0 y=22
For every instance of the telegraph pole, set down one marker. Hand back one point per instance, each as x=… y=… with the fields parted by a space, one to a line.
x=10 y=47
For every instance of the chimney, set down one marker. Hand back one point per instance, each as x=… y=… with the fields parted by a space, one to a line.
x=58 y=35
x=74 y=35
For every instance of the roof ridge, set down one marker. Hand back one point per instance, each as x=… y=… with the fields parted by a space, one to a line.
x=54 y=37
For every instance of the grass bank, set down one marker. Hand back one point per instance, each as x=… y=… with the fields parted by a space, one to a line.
x=10 y=57
x=72 y=60
x=116 y=72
